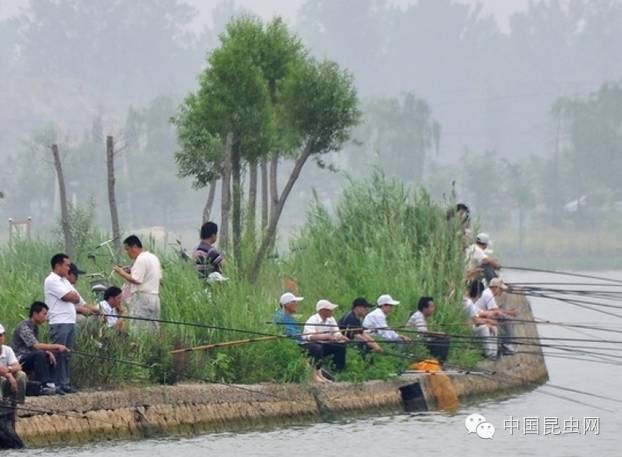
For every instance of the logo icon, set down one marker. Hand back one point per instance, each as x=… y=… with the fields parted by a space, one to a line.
x=476 y=423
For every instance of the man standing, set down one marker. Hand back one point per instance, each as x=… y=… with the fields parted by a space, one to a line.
x=12 y=378
x=72 y=277
x=376 y=321
x=61 y=299
x=437 y=344
x=33 y=355
x=144 y=280
x=208 y=259
x=351 y=325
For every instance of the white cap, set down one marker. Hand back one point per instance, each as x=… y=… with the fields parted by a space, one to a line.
x=497 y=282
x=288 y=297
x=483 y=238
x=386 y=299
x=1 y=329
x=325 y=304
x=216 y=277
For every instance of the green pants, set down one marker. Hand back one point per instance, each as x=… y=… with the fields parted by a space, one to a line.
x=7 y=392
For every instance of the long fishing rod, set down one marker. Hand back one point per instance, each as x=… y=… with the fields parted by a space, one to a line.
x=563 y=273
x=114 y=360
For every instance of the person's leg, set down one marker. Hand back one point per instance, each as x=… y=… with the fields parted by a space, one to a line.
x=39 y=363
x=489 y=341
x=57 y=337
x=338 y=353
x=438 y=347
x=22 y=380
x=315 y=351
x=71 y=344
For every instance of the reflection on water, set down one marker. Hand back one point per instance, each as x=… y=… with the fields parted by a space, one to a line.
x=435 y=433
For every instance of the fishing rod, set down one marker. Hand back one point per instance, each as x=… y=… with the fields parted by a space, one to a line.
x=563 y=273
x=115 y=360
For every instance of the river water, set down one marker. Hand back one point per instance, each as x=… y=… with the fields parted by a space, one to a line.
x=534 y=423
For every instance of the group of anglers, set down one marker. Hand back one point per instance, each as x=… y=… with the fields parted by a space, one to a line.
x=321 y=338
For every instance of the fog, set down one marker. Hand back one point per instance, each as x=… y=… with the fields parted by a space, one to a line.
x=511 y=106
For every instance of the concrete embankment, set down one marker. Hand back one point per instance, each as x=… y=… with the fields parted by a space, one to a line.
x=134 y=413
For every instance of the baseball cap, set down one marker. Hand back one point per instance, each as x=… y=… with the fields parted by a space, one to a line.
x=497 y=282
x=386 y=299
x=73 y=268
x=216 y=277
x=288 y=297
x=1 y=330
x=325 y=304
x=483 y=238
x=360 y=301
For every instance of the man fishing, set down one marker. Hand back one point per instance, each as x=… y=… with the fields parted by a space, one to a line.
x=144 y=283
x=351 y=325
x=479 y=259
x=488 y=303
x=61 y=299
x=12 y=378
x=34 y=356
x=111 y=308
x=72 y=277
x=376 y=321
x=437 y=344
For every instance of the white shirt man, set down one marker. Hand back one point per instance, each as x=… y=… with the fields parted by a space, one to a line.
x=319 y=328
x=55 y=287
x=147 y=271
x=376 y=321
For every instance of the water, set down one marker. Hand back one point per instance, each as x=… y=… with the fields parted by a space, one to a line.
x=436 y=433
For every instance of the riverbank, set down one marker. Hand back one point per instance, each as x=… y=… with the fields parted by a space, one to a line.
x=188 y=409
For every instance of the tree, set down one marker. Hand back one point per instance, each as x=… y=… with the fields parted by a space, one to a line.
x=64 y=206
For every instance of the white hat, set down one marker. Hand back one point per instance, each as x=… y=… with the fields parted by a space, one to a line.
x=325 y=304
x=216 y=277
x=497 y=282
x=288 y=297
x=1 y=329
x=483 y=238
x=386 y=299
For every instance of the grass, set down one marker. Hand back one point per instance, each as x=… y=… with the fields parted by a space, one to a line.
x=382 y=239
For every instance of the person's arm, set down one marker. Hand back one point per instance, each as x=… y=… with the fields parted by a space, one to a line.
x=491 y=262
x=50 y=347
x=71 y=297
x=125 y=275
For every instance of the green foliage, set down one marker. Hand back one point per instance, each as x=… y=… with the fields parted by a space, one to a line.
x=383 y=238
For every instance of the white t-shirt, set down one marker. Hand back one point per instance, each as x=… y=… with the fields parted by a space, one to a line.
x=7 y=357
x=487 y=301
x=54 y=289
x=105 y=308
x=376 y=323
x=315 y=324
x=418 y=321
x=470 y=310
x=148 y=272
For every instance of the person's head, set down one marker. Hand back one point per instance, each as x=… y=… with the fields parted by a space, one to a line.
x=483 y=240
x=463 y=212
x=387 y=304
x=74 y=273
x=497 y=286
x=60 y=264
x=475 y=289
x=209 y=232
x=132 y=246
x=113 y=296
x=289 y=302
x=325 y=308
x=38 y=312
x=1 y=335
x=360 y=307
x=426 y=306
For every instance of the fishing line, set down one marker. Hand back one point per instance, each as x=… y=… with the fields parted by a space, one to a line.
x=563 y=273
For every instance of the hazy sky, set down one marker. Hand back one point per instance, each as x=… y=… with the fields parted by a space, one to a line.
x=288 y=8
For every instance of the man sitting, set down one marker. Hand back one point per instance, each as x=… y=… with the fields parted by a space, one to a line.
x=12 y=378
x=34 y=356
x=437 y=344
x=488 y=302
x=479 y=261
x=376 y=321
x=111 y=308
x=351 y=325
x=484 y=322
x=322 y=336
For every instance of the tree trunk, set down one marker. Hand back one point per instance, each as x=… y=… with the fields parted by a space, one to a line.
x=270 y=235
x=64 y=208
x=252 y=203
x=274 y=191
x=264 y=194
x=225 y=199
x=209 y=204
x=236 y=188
x=112 y=199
